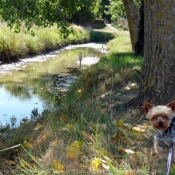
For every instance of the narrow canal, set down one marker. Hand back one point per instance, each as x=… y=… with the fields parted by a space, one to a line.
x=26 y=86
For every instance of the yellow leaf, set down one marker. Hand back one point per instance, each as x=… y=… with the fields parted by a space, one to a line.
x=27 y=144
x=57 y=165
x=28 y=139
x=74 y=150
x=12 y=162
x=37 y=127
x=23 y=164
x=138 y=129
x=120 y=123
x=145 y=125
x=79 y=90
x=95 y=163
x=68 y=126
x=124 y=131
x=84 y=134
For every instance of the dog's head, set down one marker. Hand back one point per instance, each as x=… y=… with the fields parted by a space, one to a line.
x=160 y=117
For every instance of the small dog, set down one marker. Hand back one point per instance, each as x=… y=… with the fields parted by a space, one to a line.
x=162 y=119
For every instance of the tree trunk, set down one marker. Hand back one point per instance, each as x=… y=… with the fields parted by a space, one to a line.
x=158 y=71
x=132 y=17
x=139 y=46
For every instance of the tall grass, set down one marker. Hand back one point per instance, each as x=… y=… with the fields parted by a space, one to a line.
x=20 y=45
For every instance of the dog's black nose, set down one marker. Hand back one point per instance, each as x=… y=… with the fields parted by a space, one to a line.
x=160 y=124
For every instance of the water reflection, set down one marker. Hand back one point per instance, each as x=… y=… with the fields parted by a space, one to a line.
x=27 y=88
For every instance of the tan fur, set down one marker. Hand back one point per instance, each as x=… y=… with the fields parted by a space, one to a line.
x=160 y=118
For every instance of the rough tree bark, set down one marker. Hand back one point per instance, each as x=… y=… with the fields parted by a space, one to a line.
x=132 y=17
x=158 y=71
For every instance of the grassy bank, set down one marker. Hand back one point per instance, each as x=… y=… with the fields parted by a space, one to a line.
x=86 y=134
x=23 y=44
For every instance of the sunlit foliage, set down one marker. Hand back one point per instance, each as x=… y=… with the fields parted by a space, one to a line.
x=41 y=13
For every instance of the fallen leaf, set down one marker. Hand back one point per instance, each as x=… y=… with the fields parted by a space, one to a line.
x=103 y=126
x=86 y=135
x=138 y=129
x=68 y=126
x=115 y=122
x=145 y=125
x=135 y=112
x=127 y=151
x=120 y=123
x=64 y=118
x=57 y=142
x=57 y=165
x=105 y=166
x=27 y=144
x=129 y=126
x=115 y=138
x=95 y=163
x=125 y=132
x=37 y=127
x=41 y=139
x=28 y=139
x=74 y=150
x=127 y=88
x=23 y=164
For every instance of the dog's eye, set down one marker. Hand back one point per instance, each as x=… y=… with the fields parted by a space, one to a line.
x=154 y=118
x=165 y=117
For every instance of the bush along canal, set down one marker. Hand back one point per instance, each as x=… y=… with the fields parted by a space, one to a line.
x=29 y=86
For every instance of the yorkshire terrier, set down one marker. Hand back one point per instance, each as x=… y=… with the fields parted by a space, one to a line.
x=162 y=119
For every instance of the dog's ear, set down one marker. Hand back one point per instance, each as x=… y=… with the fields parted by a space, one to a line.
x=171 y=105
x=147 y=107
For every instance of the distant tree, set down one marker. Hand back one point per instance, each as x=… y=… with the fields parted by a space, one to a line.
x=116 y=10
x=132 y=17
x=39 y=12
x=103 y=11
x=87 y=12
x=128 y=9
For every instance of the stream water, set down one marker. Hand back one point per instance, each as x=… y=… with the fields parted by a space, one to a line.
x=25 y=85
